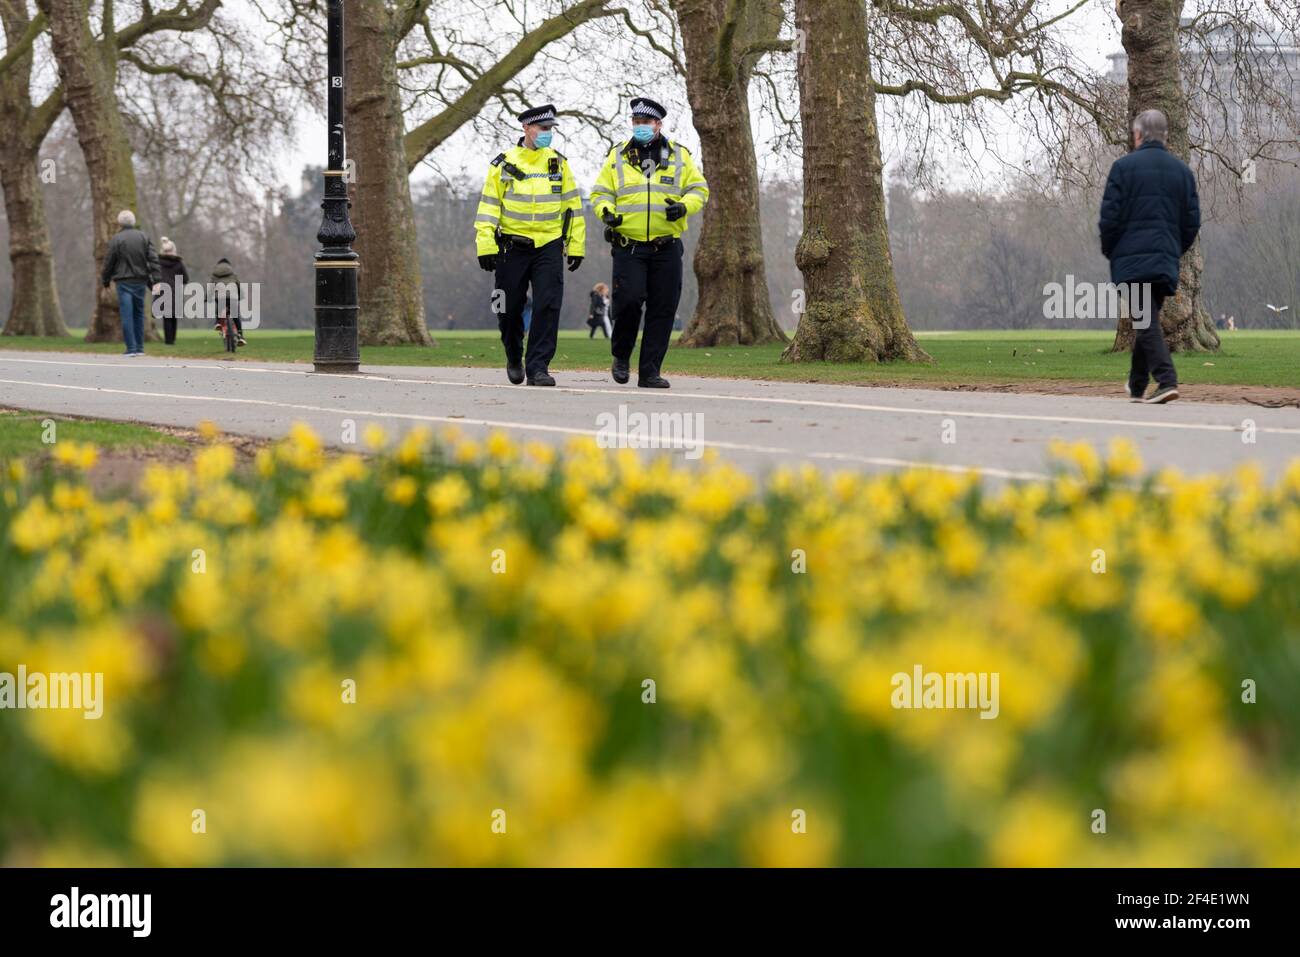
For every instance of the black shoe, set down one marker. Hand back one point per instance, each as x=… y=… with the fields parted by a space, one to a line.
x=515 y=371
x=1166 y=393
x=653 y=382
x=620 y=371
x=542 y=378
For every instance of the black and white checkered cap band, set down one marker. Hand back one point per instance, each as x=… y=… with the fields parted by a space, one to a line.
x=644 y=109
x=538 y=117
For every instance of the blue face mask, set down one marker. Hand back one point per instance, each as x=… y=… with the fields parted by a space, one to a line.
x=643 y=133
x=543 y=139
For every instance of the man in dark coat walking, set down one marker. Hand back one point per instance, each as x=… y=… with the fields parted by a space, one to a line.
x=1150 y=215
x=132 y=263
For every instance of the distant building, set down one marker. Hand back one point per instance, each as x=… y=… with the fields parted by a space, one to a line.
x=1220 y=83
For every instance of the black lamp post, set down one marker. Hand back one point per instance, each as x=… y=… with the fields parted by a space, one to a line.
x=337 y=349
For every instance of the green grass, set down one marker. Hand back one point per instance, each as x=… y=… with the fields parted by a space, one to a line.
x=22 y=434
x=1256 y=358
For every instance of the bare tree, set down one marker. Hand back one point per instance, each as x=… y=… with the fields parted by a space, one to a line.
x=88 y=69
x=396 y=43
x=954 y=56
x=391 y=298
x=853 y=312
x=724 y=40
x=34 y=307
x=1230 y=99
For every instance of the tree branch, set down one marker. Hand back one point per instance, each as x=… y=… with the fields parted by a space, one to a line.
x=23 y=45
x=180 y=19
x=426 y=137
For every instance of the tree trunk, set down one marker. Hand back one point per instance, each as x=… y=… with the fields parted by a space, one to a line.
x=391 y=289
x=34 y=309
x=88 y=72
x=1150 y=38
x=853 y=312
x=392 y=293
x=735 y=306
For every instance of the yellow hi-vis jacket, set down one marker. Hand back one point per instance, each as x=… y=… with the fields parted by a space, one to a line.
x=527 y=193
x=642 y=200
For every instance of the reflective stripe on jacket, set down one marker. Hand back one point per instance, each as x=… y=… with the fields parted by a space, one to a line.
x=642 y=200
x=533 y=206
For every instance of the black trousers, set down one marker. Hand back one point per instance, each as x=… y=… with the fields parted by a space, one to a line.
x=169 y=330
x=519 y=267
x=1151 y=359
x=646 y=278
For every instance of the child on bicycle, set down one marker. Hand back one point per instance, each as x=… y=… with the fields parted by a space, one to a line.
x=223 y=294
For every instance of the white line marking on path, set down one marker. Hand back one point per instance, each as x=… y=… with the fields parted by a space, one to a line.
x=530 y=427
x=723 y=397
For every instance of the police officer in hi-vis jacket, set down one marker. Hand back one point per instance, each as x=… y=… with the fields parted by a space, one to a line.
x=645 y=192
x=529 y=220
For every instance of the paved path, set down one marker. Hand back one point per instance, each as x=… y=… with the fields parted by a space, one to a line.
x=755 y=424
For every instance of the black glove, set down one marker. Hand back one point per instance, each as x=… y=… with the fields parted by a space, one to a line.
x=675 y=211
x=574 y=263
x=610 y=220
x=487 y=263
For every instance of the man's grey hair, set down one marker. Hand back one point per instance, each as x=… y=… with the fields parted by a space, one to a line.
x=1152 y=125
x=126 y=218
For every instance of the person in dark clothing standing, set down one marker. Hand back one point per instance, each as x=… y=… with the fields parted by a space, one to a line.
x=598 y=317
x=172 y=268
x=1150 y=215
x=132 y=263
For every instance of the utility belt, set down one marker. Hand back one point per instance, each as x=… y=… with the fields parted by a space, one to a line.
x=509 y=241
x=619 y=241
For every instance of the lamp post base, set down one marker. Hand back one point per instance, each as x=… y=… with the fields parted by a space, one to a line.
x=322 y=368
x=337 y=348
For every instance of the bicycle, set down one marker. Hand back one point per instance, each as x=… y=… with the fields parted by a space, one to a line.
x=226 y=326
